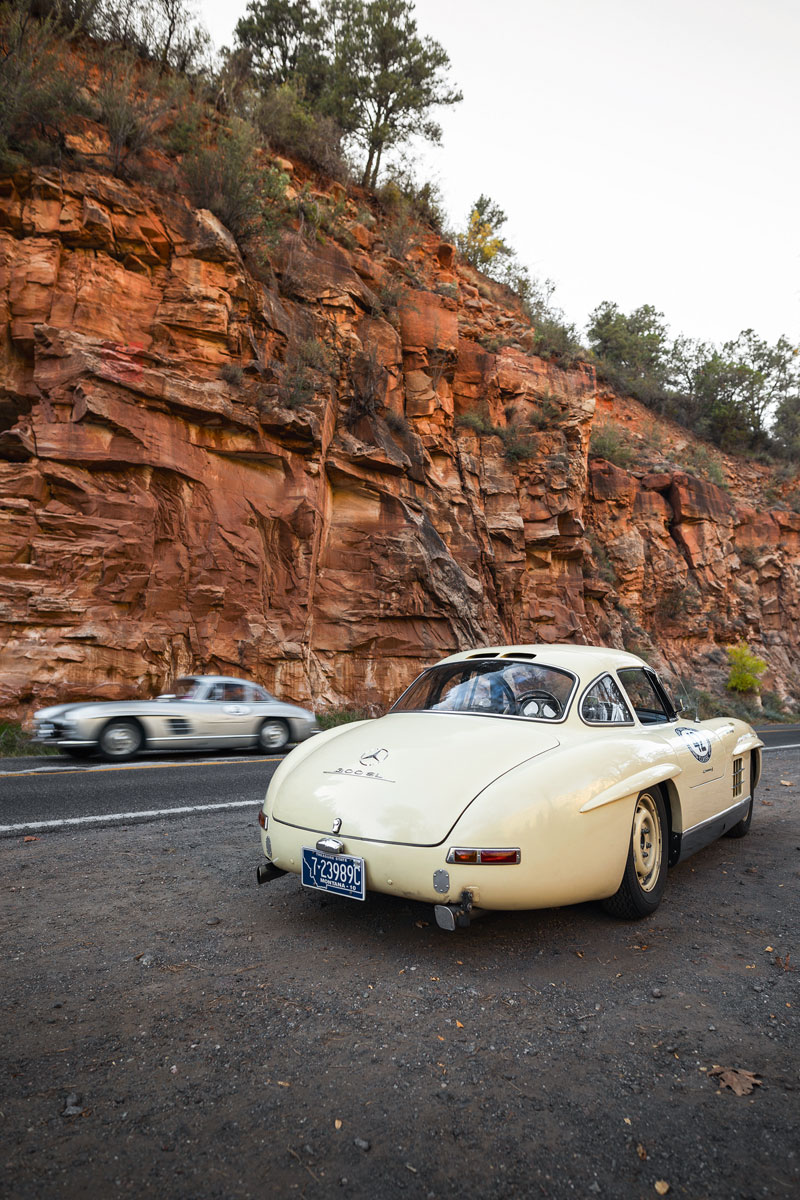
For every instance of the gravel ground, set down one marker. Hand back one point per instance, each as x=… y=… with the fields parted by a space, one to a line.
x=170 y=1028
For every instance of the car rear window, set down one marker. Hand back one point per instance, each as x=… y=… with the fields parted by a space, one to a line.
x=501 y=688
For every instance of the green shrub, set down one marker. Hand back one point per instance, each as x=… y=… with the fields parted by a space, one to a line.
x=134 y=105
x=292 y=128
x=39 y=87
x=746 y=669
x=389 y=297
x=231 y=373
x=368 y=378
x=329 y=718
x=610 y=442
x=397 y=424
x=16 y=743
x=516 y=446
x=599 y=561
x=701 y=461
x=225 y=178
x=547 y=414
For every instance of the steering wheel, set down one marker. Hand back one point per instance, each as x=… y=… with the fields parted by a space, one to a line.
x=539 y=703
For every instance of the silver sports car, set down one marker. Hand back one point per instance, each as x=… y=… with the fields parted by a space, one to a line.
x=203 y=712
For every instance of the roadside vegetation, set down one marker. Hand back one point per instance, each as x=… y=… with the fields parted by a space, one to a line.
x=329 y=718
x=16 y=743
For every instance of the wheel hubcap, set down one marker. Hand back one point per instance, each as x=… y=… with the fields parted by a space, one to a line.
x=273 y=736
x=646 y=842
x=122 y=739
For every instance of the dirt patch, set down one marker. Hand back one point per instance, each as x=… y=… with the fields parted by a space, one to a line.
x=169 y=1027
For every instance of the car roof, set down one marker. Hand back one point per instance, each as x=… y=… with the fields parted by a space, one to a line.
x=581 y=660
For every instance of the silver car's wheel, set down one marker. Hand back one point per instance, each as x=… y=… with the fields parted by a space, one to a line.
x=272 y=736
x=121 y=740
x=645 y=875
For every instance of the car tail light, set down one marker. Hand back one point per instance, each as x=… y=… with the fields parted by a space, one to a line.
x=262 y=819
x=458 y=854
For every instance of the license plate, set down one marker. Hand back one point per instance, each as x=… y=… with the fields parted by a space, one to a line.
x=341 y=874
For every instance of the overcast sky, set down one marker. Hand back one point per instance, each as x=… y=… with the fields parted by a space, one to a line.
x=645 y=151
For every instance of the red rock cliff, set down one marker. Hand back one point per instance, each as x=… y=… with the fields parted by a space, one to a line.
x=308 y=483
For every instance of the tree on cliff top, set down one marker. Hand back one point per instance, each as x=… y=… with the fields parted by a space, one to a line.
x=637 y=343
x=361 y=62
x=481 y=243
x=284 y=40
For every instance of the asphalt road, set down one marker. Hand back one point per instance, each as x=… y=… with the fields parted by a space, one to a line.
x=168 y=1028
x=51 y=792
x=780 y=736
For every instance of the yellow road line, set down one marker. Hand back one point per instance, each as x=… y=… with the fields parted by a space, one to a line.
x=210 y=762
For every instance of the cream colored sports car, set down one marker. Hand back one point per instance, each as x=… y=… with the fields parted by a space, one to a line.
x=513 y=777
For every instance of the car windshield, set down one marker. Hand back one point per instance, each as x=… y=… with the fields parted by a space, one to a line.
x=187 y=689
x=498 y=688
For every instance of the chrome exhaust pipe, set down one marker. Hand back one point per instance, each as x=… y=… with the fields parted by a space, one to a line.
x=448 y=916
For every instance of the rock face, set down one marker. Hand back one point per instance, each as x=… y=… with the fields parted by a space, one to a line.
x=324 y=481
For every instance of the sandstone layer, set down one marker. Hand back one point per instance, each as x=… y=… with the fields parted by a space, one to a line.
x=326 y=477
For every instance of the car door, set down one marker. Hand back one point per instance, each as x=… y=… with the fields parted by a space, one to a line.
x=699 y=752
x=235 y=716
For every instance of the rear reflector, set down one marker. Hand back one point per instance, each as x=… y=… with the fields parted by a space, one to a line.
x=262 y=820
x=483 y=857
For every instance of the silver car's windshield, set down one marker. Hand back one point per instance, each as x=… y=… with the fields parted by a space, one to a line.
x=499 y=688
x=187 y=689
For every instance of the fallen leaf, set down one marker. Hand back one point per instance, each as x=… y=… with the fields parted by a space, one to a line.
x=30 y=838
x=783 y=962
x=768 y=949
x=786 y=783
x=740 y=1082
x=661 y=1186
x=627 y=1120
x=459 y=1025
x=579 y=953
x=421 y=924
x=439 y=1037
x=434 y=978
x=337 y=1124
x=283 y=1083
x=640 y=1150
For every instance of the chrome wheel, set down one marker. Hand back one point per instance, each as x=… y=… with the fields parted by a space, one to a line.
x=646 y=842
x=645 y=875
x=120 y=740
x=273 y=735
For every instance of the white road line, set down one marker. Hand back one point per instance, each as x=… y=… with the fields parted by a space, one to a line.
x=69 y=822
x=791 y=746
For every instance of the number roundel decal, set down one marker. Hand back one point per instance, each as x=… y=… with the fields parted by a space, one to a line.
x=698 y=743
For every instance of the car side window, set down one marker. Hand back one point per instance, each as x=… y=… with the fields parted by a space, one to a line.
x=215 y=693
x=647 y=702
x=603 y=704
x=234 y=693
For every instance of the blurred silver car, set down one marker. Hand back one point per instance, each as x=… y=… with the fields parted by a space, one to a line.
x=204 y=712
